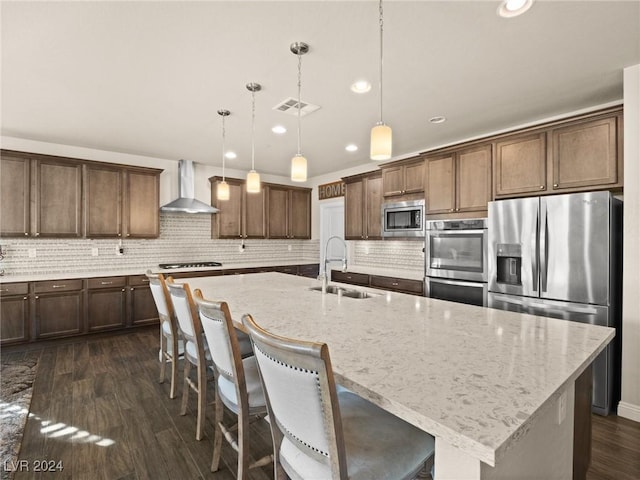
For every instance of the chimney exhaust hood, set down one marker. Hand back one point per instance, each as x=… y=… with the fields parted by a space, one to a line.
x=186 y=203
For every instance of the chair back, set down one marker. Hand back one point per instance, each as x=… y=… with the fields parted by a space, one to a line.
x=220 y=335
x=301 y=396
x=160 y=293
x=186 y=313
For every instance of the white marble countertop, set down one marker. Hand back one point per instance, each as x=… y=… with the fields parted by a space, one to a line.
x=140 y=271
x=477 y=377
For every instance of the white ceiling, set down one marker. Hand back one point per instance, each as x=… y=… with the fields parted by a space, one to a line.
x=148 y=77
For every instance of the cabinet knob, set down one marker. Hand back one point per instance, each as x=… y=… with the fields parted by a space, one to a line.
x=124 y=289
x=37 y=297
x=37 y=234
x=26 y=234
x=132 y=289
x=541 y=187
x=457 y=209
x=555 y=185
x=119 y=234
x=24 y=298
x=128 y=234
x=451 y=210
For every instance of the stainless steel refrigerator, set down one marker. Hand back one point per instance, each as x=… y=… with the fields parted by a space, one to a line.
x=560 y=256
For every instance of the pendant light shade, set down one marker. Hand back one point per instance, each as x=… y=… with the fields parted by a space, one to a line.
x=298 y=162
x=222 y=189
x=253 y=177
x=381 y=137
x=253 y=182
x=381 y=142
x=299 y=168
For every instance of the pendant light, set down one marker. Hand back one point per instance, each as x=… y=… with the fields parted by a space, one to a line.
x=253 y=177
x=298 y=162
x=222 y=190
x=381 y=136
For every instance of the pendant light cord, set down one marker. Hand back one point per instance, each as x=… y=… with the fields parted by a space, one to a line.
x=223 y=137
x=381 y=56
x=253 y=129
x=299 y=90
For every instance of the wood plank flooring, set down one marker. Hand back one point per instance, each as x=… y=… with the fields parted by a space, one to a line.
x=98 y=408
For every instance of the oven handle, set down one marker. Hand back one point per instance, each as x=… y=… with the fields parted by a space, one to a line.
x=458 y=232
x=456 y=282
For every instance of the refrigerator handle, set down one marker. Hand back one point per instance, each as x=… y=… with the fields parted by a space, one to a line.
x=544 y=242
x=534 y=256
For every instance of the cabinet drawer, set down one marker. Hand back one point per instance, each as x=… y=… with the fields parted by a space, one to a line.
x=347 y=277
x=14 y=288
x=397 y=284
x=138 y=280
x=57 y=286
x=311 y=270
x=290 y=269
x=106 y=282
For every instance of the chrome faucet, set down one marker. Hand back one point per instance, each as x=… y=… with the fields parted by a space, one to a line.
x=327 y=260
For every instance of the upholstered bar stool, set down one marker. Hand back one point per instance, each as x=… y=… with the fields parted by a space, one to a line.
x=321 y=433
x=195 y=351
x=171 y=344
x=237 y=386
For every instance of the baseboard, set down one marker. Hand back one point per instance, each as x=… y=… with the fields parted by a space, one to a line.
x=629 y=410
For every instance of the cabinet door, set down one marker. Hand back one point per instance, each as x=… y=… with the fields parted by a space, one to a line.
x=106 y=308
x=300 y=214
x=473 y=179
x=254 y=215
x=14 y=318
x=14 y=196
x=521 y=165
x=278 y=204
x=585 y=154
x=58 y=199
x=413 y=174
x=353 y=210
x=58 y=314
x=373 y=208
x=440 y=184
x=227 y=223
x=142 y=204
x=143 y=309
x=103 y=201
x=393 y=181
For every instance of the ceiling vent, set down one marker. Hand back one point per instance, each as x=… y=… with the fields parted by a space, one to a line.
x=290 y=107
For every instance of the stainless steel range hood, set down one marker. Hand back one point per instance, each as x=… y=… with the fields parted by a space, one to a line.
x=186 y=203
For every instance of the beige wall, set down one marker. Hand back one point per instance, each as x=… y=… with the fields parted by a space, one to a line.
x=629 y=406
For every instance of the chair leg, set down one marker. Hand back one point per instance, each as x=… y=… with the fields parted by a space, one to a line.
x=202 y=400
x=243 y=445
x=174 y=368
x=163 y=360
x=185 y=386
x=217 y=438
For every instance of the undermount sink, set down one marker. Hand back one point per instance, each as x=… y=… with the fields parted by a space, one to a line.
x=345 y=292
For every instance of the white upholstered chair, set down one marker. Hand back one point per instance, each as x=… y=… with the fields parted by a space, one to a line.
x=195 y=351
x=323 y=433
x=171 y=344
x=237 y=386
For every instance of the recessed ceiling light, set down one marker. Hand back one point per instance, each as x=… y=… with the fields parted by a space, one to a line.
x=351 y=148
x=361 y=86
x=438 y=119
x=230 y=155
x=513 y=8
x=279 y=130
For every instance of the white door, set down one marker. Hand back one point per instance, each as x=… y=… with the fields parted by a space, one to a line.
x=331 y=224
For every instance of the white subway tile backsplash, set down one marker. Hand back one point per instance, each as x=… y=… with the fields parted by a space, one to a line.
x=183 y=238
x=399 y=254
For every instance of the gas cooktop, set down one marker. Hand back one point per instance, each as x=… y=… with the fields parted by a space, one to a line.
x=189 y=264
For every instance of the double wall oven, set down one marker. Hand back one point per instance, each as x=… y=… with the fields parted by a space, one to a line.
x=456 y=260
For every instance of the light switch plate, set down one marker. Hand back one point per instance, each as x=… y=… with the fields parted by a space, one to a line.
x=94 y=252
x=32 y=253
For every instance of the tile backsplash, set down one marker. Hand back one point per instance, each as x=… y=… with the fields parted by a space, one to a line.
x=183 y=238
x=398 y=254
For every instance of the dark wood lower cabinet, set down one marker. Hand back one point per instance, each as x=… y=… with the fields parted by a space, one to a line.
x=402 y=285
x=142 y=307
x=106 y=303
x=14 y=313
x=58 y=314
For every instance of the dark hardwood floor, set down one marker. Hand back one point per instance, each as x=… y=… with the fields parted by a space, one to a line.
x=99 y=410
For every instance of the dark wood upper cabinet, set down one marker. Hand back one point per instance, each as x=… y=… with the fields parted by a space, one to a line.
x=15 y=194
x=362 y=206
x=141 y=203
x=242 y=216
x=103 y=201
x=520 y=165
x=400 y=180
x=288 y=212
x=459 y=182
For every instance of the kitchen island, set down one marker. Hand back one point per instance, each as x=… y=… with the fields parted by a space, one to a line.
x=495 y=388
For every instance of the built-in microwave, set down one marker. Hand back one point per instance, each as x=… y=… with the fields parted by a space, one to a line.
x=403 y=219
